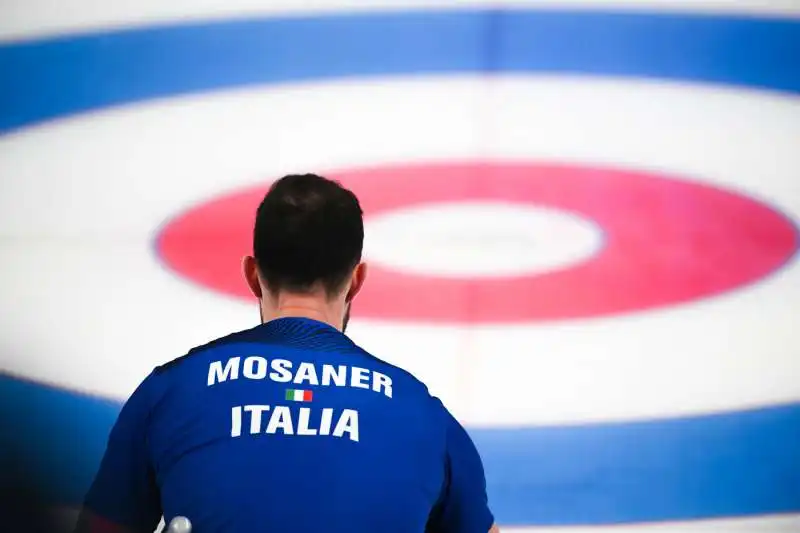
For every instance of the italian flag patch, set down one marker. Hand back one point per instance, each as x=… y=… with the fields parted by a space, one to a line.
x=297 y=395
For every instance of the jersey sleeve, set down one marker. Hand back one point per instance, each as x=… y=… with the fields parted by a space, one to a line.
x=463 y=505
x=124 y=492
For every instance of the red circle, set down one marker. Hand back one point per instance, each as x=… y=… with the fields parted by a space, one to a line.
x=667 y=241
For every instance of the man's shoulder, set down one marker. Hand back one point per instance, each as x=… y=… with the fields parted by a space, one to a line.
x=396 y=372
x=243 y=336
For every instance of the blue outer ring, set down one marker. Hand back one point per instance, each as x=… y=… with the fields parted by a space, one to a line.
x=731 y=464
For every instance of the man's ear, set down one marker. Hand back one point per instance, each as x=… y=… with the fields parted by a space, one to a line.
x=250 y=273
x=356 y=281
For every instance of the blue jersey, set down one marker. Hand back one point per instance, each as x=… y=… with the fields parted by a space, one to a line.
x=289 y=427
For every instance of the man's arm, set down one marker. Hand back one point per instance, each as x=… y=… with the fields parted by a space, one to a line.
x=124 y=497
x=463 y=506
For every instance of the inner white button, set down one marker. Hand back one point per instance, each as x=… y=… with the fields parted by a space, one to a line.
x=480 y=239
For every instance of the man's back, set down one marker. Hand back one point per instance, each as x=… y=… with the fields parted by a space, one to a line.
x=291 y=427
x=272 y=412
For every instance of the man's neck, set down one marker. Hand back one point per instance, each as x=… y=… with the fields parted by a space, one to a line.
x=302 y=307
x=302 y=312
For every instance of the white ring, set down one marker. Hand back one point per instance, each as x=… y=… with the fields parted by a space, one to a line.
x=84 y=238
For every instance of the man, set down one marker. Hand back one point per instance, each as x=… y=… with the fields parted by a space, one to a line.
x=290 y=427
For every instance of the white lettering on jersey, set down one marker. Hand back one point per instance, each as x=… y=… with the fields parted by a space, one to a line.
x=281 y=371
x=216 y=374
x=302 y=425
x=381 y=383
x=337 y=375
x=325 y=423
x=255 y=368
x=236 y=421
x=359 y=377
x=308 y=420
x=281 y=419
x=255 y=416
x=348 y=423
x=306 y=372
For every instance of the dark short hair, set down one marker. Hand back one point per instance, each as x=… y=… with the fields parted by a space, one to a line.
x=309 y=231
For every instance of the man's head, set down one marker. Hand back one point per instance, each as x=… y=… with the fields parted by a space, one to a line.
x=307 y=244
